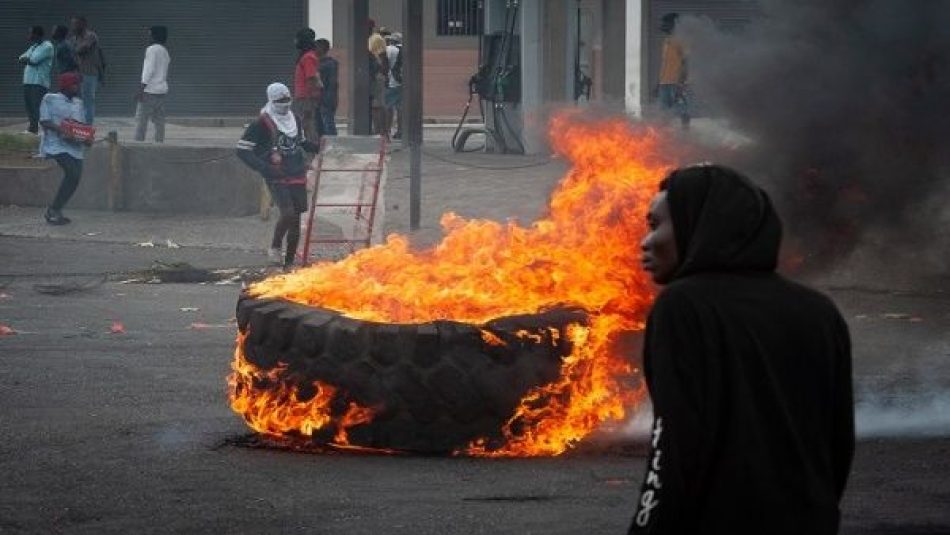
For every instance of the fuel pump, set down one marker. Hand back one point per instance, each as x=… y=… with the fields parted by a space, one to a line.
x=497 y=84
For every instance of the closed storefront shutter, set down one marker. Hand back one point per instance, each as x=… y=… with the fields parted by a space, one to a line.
x=224 y=52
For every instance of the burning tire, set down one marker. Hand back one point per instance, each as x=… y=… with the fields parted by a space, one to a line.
x=429 y=388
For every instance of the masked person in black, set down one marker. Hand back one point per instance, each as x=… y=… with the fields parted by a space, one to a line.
x=749 y=373
x=274 y=146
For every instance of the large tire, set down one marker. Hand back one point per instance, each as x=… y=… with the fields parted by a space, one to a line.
x=435 y=386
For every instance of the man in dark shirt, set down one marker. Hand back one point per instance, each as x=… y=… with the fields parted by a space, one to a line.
x=63 y=59
x=85 y=45
x=749 y=373
x=274 y=145
x=329 y=75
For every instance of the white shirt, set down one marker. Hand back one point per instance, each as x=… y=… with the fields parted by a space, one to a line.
x=392 y=52
x=155 y=70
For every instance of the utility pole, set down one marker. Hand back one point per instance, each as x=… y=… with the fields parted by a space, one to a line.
x=358 y=66
x=412 y=102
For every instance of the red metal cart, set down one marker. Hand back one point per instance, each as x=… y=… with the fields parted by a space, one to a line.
x=363 y=207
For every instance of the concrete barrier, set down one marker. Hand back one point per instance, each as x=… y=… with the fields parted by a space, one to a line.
x=145 y=178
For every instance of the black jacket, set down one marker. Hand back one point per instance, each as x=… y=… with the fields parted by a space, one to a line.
x=750 y=378
x=262 y=144
x=329 y=74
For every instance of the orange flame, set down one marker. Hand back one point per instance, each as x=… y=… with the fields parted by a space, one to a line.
x=583 y=253
x=272 y=407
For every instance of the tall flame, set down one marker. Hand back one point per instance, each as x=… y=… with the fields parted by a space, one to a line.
x=584 y=253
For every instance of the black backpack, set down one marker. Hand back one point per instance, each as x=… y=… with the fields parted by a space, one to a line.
x=396 y=69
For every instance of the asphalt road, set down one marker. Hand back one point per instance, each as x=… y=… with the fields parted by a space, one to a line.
x=104 y=432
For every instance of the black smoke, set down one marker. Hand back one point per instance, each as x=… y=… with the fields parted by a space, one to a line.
x=848 y=106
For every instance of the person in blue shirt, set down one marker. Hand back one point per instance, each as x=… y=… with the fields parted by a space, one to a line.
x=38 y=62
x=56 y=144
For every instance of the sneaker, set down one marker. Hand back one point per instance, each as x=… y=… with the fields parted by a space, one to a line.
x=275 y=256
x=55 y=217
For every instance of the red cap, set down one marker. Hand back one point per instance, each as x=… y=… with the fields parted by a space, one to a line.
x=69 y=79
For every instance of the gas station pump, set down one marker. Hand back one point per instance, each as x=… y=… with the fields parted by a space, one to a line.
x=497 y=84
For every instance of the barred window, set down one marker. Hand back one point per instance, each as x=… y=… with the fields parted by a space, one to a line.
x=459 y=17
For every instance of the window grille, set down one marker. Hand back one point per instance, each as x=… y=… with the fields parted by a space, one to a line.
x=459 y=17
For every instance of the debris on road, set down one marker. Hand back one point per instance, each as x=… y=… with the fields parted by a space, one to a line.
x=172 y=245
x=176 y=272
x=198 y=326
x=145 y=244
x=895 y=316
x=70 y=286
x=6 y=330
x=913 y=318
x=189 y=309
x=117 y=328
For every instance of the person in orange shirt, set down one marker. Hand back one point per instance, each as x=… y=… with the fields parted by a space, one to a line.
x=671 y=88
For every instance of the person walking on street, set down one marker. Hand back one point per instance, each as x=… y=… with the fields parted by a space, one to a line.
x=307 y=84
x=59 y=145
x=749 y=372
x=274 y=145
x=37 y=62
x=394 y=86
x=63 y=58
x=151 y=96
x=329 y=75
x=85 y=45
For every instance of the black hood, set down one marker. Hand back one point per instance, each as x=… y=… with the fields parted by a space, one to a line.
x=722 y=221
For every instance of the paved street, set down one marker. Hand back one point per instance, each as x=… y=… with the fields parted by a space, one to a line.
x=119 y=432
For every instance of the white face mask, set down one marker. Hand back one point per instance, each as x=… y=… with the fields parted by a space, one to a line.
x=281 y=108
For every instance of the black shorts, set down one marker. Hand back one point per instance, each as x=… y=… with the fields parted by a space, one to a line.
x=291 y=199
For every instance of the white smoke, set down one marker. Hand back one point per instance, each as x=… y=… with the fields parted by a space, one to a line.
x=922 y=414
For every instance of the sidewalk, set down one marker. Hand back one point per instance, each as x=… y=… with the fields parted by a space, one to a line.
x=474 y=185
x=210 y=132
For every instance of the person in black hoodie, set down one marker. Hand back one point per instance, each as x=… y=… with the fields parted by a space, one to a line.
x=274 y=145
x=329 y=74
x=749 y=373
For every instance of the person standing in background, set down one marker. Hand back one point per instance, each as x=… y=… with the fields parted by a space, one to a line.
x=329 y=75
x=378 y=76
x=671 y=88
x=307 y=84
x=85 y=45
x=38 y=62
x=393 y=98
x=151 y=95
x=58 y=145
x=63 y=60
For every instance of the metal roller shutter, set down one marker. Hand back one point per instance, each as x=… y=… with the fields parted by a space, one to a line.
x=224 y=52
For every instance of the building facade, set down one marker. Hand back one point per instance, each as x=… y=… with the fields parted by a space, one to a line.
x=225 y=52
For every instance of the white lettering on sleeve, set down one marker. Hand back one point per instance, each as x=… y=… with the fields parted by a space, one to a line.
x=649 y=499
